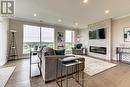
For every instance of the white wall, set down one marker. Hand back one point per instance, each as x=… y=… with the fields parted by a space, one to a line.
x=3 y=41
x=118 y=26
x=98 y=42
x=84 y=37
x=1 y=44
x=116 y=38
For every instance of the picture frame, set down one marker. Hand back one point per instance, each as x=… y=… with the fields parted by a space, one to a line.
x=127 y=34
x=60 y=39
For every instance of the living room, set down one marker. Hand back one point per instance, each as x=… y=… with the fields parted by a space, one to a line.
x=84 y=45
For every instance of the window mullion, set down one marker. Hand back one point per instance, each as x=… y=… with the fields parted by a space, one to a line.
x=40 y=35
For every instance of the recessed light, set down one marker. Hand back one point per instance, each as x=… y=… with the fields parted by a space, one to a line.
x=35 y=15
x=107 y=11
x=85 y=1
x=59 y=20
x=76 y=23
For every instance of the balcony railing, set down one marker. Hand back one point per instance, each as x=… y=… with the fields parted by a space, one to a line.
x=28 y=45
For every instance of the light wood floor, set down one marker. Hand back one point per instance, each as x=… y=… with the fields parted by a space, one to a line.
x=118 y=76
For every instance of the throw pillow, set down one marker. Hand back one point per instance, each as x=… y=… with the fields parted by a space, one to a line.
x=79 y=46
x=60 y=52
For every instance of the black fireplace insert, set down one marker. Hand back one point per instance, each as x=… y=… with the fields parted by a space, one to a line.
x=100 y=50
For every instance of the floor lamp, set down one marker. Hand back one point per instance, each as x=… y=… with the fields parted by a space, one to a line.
x=12 y=46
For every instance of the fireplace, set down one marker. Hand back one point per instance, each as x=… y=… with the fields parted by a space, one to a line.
x=95 y=49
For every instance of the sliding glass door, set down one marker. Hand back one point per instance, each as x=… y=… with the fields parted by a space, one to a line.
x=37 y=36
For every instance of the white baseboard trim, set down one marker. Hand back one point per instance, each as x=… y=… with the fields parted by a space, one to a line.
x=23 y=57
x=3 y=63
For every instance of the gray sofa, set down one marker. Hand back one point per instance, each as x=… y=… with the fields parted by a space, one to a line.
x=49 y=65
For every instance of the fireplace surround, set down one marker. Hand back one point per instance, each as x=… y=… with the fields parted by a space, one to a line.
x=99 y=50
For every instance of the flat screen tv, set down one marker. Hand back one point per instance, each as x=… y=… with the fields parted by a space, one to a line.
x=97 y=34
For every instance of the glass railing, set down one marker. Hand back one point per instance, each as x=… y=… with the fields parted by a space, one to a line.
x=30 y=45
x=68 y=45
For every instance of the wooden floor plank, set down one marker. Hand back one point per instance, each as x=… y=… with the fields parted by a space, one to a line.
x=118 y=76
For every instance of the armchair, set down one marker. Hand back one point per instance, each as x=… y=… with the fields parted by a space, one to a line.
x=77 y=49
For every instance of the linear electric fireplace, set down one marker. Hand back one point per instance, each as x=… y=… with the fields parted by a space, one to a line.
x=95 y=49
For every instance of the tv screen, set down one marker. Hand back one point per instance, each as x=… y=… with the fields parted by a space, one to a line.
x=92 y=35
x=97 y=34
x=101 y=33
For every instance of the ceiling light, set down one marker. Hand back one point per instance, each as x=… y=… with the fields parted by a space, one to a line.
x=59 y=20
x=107 y=11
x=85 y=1
x=76 y=23
x=35 y=15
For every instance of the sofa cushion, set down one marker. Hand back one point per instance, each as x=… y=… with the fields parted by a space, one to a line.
x=60 y=52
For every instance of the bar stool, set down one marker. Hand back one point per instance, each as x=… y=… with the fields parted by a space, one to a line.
x=74 y=67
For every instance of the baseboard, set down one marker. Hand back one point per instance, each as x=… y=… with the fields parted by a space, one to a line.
x=20 y=57
x=23 y=57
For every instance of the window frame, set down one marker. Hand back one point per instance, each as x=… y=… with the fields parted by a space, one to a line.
x=40 y=29
x=72 y=38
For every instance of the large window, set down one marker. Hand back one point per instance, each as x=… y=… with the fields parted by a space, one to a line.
x=69 y=39
x=47 y=37
x=36 y=35
x=31 y=37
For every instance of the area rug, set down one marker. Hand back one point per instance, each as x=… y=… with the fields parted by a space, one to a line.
x=94 y=66
x=5 y=74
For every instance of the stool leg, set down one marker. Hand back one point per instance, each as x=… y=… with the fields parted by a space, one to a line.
x=67 y=77
x=78 y=72
x=72 y=71
x=82 y=79
x=82 y=76
x=56 y=70
x=61 y=75
x=39 y=67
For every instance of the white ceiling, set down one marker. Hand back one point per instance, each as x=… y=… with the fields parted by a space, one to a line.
x=71 y=11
